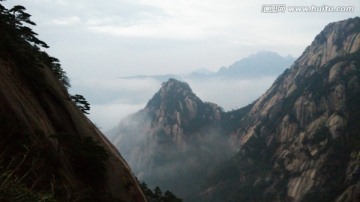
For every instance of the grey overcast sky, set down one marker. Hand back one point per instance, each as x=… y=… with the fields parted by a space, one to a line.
x=115 y=38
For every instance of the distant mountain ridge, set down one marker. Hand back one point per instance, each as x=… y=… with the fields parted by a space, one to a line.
x=260 y=64
x=265 y=63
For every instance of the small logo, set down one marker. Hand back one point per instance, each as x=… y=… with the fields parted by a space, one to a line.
x=273 y=8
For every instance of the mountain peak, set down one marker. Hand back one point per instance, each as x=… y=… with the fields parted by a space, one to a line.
x=172 y=92
x=177 y=108
x=174 y=84
x=341 y=29
x=337 y=39
x=174 y=125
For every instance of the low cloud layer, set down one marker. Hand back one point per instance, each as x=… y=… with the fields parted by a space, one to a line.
x=113 y=99
x=230 y=93
x=181 y=166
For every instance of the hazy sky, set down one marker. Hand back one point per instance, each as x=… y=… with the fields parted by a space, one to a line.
x=100 y=41
x=126 y=37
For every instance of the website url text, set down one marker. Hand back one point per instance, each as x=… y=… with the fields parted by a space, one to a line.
x=282 y=8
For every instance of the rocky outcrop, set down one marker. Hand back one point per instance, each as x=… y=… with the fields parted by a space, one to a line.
x=174 y=112
x=174 y=138
x=303 y=129
x=177 y=111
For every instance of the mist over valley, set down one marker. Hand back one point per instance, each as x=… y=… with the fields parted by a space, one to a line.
x=114 y=99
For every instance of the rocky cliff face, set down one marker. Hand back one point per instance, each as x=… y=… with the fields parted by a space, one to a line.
x=300 y=140
x=29 y=120
x=49 y=150
x=176 y=111
x=173 y=139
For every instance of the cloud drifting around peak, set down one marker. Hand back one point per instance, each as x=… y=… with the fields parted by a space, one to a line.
x=112 y=100
x=231 y=94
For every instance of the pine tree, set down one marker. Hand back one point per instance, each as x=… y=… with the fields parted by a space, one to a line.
x=81 y=103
